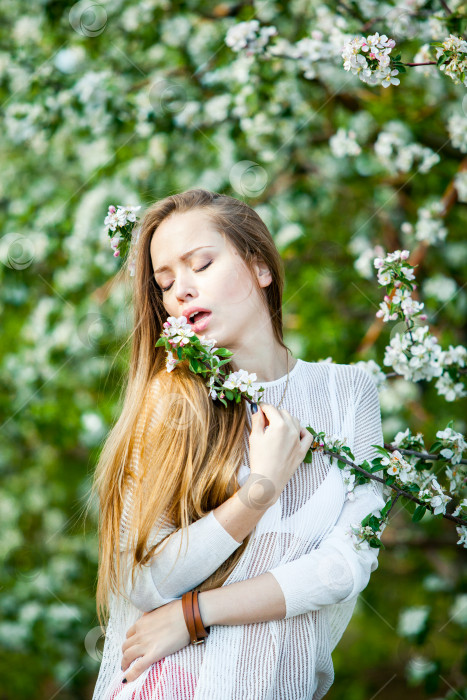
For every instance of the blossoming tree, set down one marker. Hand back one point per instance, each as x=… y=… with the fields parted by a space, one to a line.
x=345 y=125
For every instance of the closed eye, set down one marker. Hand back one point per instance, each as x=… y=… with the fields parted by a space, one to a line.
x=166 y=289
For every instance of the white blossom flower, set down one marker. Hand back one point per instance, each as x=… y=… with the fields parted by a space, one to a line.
x=385 y=312
x=412 y=620
x=448 y=387
x=457 y=129
x=440 y=287
x=455 y=356
x=171 y=362
x=360 y=535
x=411 y=307
x=374 y=370
x=368 y=58
x=456 y=478
x=414 y=354
x=454 y=443
x=344 y=143
x=249 y=36
x=349 y=483
x=440 y=499
x=398 y=466
x=456 y=67
x=462 y=532
x=178 y=330
x=400 y=437
x=242 y=380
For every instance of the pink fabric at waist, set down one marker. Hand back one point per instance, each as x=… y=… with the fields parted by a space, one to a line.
x=186 y=680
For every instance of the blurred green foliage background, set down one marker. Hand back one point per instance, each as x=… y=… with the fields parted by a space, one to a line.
x=125 y=103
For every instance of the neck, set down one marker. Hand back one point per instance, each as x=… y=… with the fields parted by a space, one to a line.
x=268 y=362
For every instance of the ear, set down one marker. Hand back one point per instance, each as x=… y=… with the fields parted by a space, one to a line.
x=262 y=272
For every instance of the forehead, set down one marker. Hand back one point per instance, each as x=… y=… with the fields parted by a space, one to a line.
x=180 y=232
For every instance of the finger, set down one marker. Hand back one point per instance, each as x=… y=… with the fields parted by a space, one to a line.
x=306 y=439
x=130 y=655
x=271 y=412
x=258 y=419
x=289 y=419
x=139 y=666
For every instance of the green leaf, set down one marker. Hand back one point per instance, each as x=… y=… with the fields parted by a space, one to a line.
x=308 y=457
x=387 y=507
x=228 y=393
x=179 y=353
x=382 y=450
x=436 y=445
x=377 y=468
x=223 y=352
x=371 y=520
x=418 y=513
x=410 y=505
x=223 y=362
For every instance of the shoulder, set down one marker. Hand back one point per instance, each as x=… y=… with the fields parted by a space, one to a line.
x=351 y=380
x=341 y=371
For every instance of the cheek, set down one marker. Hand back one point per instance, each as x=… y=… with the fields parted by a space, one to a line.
x=233 y=285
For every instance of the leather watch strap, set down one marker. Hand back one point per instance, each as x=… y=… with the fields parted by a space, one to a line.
x=187 y=605
x=202 y=632
x=191 y=613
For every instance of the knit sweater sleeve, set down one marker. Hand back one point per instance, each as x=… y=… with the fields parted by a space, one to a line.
x=337 y=571
x=169 y=574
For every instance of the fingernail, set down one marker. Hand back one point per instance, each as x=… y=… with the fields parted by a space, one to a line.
x=124 y=680
x=254 y=407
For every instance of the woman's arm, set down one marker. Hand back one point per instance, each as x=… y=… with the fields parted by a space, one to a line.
x=333 y=573
x=212 y=539
x=257 y=599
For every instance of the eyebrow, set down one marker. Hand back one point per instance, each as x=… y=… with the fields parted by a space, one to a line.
x=183 y=257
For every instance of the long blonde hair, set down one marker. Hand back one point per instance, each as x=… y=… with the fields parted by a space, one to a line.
x=189 y=455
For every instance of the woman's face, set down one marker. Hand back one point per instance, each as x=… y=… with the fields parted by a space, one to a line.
x=213 y=277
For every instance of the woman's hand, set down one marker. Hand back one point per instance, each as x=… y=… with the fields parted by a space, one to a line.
x=155 y=635
x=278 y=445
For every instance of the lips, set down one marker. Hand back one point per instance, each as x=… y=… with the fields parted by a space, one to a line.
x=201 y=321
x=192 y=310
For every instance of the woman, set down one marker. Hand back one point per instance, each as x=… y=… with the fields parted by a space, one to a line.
x=268 y=540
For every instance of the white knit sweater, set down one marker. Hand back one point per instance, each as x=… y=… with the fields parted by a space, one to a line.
x=302 y=540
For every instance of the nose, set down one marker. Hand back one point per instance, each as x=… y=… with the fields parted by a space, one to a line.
x=184 y=287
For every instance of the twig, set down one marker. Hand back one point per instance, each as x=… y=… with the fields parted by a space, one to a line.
x=401 y=492
x=445 y=6
x=423 y=455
